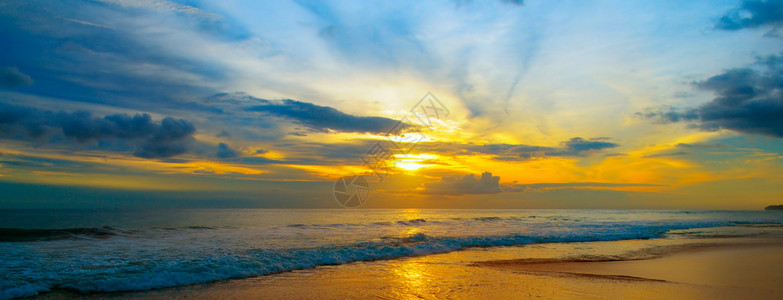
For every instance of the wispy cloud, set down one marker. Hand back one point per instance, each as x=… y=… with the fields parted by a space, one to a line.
x=574 y=147
x=10 y=78
x=165 y=6
x=323 y=118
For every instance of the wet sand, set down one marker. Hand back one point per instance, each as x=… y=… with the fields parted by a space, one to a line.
x=743 y=269
x=640 y=269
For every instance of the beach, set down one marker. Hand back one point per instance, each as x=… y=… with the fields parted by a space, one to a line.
x=390 y=254
x=716 y=268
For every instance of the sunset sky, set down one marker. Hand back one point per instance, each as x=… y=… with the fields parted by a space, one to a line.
x=551 y=104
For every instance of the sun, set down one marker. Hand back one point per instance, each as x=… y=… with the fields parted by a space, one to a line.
x=412 y=162
x=410 y=166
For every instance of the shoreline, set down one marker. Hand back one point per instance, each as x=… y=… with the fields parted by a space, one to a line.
x=747 y=266
x=639 y=269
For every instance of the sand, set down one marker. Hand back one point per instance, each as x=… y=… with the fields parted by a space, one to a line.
x=729 y=268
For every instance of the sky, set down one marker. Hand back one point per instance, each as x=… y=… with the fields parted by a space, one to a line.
x=540 y=104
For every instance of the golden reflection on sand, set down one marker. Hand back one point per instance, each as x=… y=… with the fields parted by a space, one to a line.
x=410 y=278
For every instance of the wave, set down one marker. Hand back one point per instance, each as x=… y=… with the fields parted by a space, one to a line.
x=420 y=221
x=411 y=222
x=103 y=232
x=488 y=219
x=31 y=235
x=169 y=271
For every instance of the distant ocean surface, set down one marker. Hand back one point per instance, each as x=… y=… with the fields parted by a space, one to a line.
x=106 y=251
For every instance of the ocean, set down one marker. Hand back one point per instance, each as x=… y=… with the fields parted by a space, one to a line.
x=110 y=251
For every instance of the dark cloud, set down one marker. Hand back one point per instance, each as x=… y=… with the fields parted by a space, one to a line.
x=753 y=14
x=668 y=114
x=748 y=100
x=515 y=2
x=172 y=137
x=152 y=140
x=83 y=127
x=224 y=151
x=10 y=78
x=245 y=109
x=514 y=152
x=578 y=146
x=297 y=133
x=511 y=2
x=324 y=118
x=223 y=133
x=468 y=184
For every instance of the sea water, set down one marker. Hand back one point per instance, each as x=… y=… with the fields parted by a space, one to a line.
x=109 y=251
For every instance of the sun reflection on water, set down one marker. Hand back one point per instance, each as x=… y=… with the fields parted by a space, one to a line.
x=410 y=214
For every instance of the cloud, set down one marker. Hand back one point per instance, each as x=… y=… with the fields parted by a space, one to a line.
x=515 y=2
x=667 y=154
x=224 y=151
x=468 y=184
x=165 y=6
x=748 y=100
x=571 y=185
x=575 y=147
x=169 y=139
x=579 y=147
x=753 y=14
x=699 y=145
x=668 y=114
x=328 y=153
x=684 y=149
x=151 y=140
x=223 y=133
x=324 y=118
x=10 y=78
x=506 y=149
x=105 y=53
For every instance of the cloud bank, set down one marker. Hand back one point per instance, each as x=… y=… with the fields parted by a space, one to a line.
x=168 y=138
x=748 y=100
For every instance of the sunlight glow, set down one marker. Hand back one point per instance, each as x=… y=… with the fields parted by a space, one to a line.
x=412 y=162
